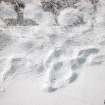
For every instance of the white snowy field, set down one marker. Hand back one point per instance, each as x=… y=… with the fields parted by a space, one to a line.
x=53 y=64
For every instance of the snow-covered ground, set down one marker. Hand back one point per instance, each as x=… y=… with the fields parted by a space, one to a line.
x=53 y=64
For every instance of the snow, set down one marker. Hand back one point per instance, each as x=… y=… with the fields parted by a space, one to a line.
x=50 y=63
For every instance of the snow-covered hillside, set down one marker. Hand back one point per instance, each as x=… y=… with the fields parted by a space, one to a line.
x=64 y=50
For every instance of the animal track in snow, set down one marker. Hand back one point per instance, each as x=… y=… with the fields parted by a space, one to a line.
x=88 y=51
x=77 y=63
x=61 y=70
x=12 y=67
x=97 y=60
